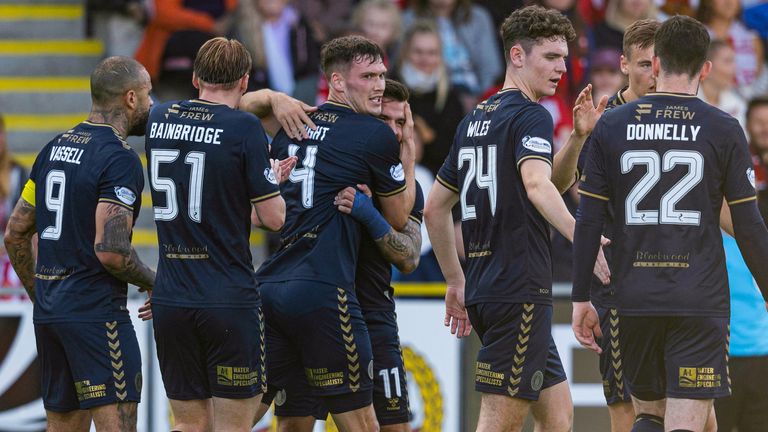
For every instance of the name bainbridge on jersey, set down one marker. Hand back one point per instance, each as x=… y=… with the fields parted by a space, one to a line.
x=183 y=132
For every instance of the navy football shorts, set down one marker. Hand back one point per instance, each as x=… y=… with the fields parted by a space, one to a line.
x=615 y=386
x=390 y=388
x=210 y=352
x=518 y=357
x=680 y=357
x=87 y=365
x=317 y=347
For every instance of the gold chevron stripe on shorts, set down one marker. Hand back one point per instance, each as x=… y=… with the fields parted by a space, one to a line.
x=513 y=387
x=353 y=358
x=116 y=359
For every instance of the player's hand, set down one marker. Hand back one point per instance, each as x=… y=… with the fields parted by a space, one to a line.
x=145 y=311
x=292 y=115
x=455 y=313
x=586 y=325
x=408 y=144
x=585 y=114
x=601 y=270
x=345 y=200
x=366 y=190
x=282 y=168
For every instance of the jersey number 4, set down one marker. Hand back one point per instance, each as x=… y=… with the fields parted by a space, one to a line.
x=667 y=213
x=306 y=174
x=483 y=179
x=166 y=185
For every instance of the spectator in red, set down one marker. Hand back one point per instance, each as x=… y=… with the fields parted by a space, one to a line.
x=757 y=130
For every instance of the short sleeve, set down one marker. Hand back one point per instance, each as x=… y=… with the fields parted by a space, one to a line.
x=739 y=170
x=448 y=175
x=28 y=192
x=417 y=213
x=533 y=135
x=593 y=180
x=382 y=154
x=262 y=184
x=122 y=181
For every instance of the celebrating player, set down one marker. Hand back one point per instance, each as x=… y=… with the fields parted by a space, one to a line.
x=318 y=346
x=82 y=198
x=662 y=164
x=208 y=167
x=507 y=140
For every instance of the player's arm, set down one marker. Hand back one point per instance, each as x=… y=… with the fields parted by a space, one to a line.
x=401 y=248
x=726 y=222
x=439 y=220
x=393 y=187
x=752 y=237
x=112 y=244
x=278 y=110
x=18 y=241
x=585 y=116
x=269 y=213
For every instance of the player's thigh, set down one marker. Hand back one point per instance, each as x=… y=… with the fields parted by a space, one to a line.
x=234 y=414
x=687 y=414
x=553 y=412
x=117 y=417
x=192 y=415
x=72 y=421
x=622 y=416
x=104 y=362
x=357 y=420
x=696 y=355
x=642 y=342
x=180 y=353
x=501 y=413
x=390 y=388
x=615 y=387
x=514 y=355
x=56 y=381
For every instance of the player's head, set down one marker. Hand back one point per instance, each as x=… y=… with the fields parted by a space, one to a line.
x=535 y=46
x=757 y=126
x=637 y=56
x=222 y=64
x=393 y=106
x=680 y=48
x=355 y=72
x=122 y=84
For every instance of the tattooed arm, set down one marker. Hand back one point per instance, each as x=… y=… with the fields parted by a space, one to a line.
x=113 y=246
x=402 y=248
x=18 y=243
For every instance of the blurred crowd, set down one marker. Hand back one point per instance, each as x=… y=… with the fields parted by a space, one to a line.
x=447 y=52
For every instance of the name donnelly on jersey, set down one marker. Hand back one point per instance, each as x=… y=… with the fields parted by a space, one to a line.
x=185 y=133
x=662 y=131
x=66 y=154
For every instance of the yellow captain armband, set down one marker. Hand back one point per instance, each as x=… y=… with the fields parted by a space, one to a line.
x=29 y=192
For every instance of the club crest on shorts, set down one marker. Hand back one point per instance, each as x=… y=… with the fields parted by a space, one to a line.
x=537 y=380
x=125 y=195
x=280 y=397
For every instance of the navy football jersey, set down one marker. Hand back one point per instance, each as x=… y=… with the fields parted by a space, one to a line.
x=374 y=272
x=663 y=163
x=206 y=163
x=601 y=295
x=319 y=243
x=505 y=238
x=86 y=165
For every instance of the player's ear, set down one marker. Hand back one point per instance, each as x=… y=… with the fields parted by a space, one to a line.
x=705 y=70
x=517 y=55
x=337 y=82
x=244 y=83
x=655 y=66
x=195 y=81
x=131 y=99
x=624 y=65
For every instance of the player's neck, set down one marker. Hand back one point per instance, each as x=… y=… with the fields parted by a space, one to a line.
x=230 y=98
x=629 y=94
x=515 y=82
x=338 y=98
x=115 y=117
x=677 y=84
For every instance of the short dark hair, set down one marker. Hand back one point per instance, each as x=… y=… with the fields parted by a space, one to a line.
x=396 y=90
x=531 y=24
x=339 y=54
x=640 y=34
x=754 y=103
x=681 y=44
x=114 y=76
x=223 y=62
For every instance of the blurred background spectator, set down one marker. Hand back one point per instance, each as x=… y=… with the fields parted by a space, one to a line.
x=722 y=19
x=717 y=88
x=284 y=48
x=12 y=179
x=435 y=103
x=605 y=73
x=117 y=23
x=327 y=18
x=379 y=21
x=470 y=43
x=175 y=32
x=757 y=133
x=619 y=14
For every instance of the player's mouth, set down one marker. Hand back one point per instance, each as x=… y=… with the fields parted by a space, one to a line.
x=376 y=100
x=554 y=81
